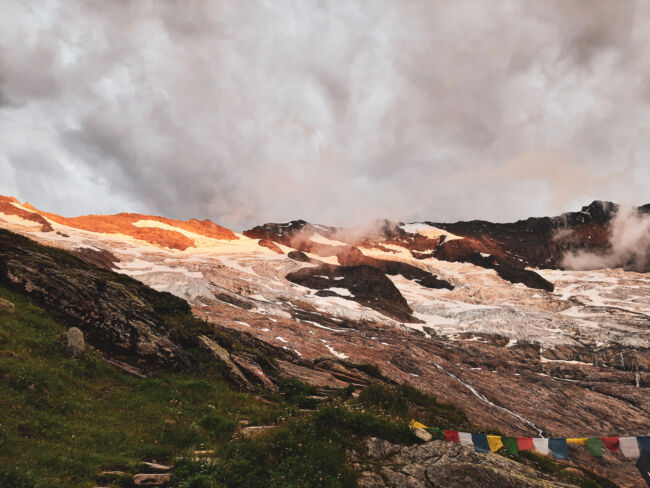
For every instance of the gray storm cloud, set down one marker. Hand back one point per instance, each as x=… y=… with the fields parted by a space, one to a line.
x=335 y=112
x=629 y=245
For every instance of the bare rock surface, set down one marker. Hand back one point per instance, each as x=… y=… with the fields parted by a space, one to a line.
x=439 y=464
x=110 y=313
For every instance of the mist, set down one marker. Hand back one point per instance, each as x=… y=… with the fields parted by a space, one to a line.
x=629 y=245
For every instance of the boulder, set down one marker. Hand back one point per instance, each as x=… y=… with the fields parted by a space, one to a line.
x=76 y=344
x=157 y=467
x=422 y=434
x=6 y=306
x=255 y=430
x=147 y=479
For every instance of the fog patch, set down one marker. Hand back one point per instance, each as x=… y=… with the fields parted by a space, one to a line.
x=629 y=245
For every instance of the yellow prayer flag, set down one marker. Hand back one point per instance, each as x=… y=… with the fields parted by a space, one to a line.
x=576 y=440
x=417 y=425
x=495 y=443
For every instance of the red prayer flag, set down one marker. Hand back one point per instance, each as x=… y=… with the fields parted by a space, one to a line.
x=610 y=443
x=451 y=436
x=525 y=443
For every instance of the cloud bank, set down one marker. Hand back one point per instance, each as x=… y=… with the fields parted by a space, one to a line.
x=629 y=245
x=336 y=112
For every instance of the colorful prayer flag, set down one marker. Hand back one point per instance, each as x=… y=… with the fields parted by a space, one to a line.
x=629 y=447
x=451 y=436
x=595 y=447
x=465 y=438
x=495 y=442
x=644 y=442
x=541 y=445
x=510 y=444
x=417 y=425
x=643 y=463
x=576 y=440
x=525 y=443
x=480 y=442
x=559 y=448
x=610 y=443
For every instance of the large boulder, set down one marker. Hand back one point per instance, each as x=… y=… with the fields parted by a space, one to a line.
x=76 y=344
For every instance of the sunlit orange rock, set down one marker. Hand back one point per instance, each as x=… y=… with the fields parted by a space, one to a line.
x=7 y=208
x=123 y=223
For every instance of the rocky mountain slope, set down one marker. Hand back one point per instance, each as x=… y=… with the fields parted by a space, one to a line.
x=486 y=316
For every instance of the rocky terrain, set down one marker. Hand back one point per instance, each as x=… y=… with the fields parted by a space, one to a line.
x=486 y=316
x=439 y=464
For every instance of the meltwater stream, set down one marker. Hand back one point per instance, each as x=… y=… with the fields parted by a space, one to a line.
x=483 y=398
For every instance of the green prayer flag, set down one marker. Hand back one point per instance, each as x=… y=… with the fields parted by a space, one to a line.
x=595 y=447
x=510 y=443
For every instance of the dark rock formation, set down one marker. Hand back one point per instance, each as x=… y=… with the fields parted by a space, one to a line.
x=116 y=313
x=99 y=257
x=298 y=233
x=367 y=285
x=542 y=241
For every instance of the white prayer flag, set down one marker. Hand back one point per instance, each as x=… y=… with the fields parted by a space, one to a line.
x=465 y=438
x=541 y=445
x=629 y=447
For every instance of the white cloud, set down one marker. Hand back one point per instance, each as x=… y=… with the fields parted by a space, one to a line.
x=246 y=112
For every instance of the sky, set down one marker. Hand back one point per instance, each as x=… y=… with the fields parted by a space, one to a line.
x=248 y=111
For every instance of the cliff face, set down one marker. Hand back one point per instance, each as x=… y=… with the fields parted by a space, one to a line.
x=483 y=315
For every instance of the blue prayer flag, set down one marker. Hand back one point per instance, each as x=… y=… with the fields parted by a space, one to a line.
x=559 y=448
x=480 y=442
x=644 y=442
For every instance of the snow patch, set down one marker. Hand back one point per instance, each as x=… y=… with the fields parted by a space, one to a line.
x=429 y=231
x=321 y=239
x=339 y=355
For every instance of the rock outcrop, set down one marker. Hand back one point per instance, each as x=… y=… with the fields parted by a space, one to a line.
x=363 y=284
x=439 y=464
x=114 y=312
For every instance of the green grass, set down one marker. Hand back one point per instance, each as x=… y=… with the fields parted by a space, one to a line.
x=304 y=452
x=406 y=402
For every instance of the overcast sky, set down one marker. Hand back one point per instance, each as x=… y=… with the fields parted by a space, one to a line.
x=336 y=112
